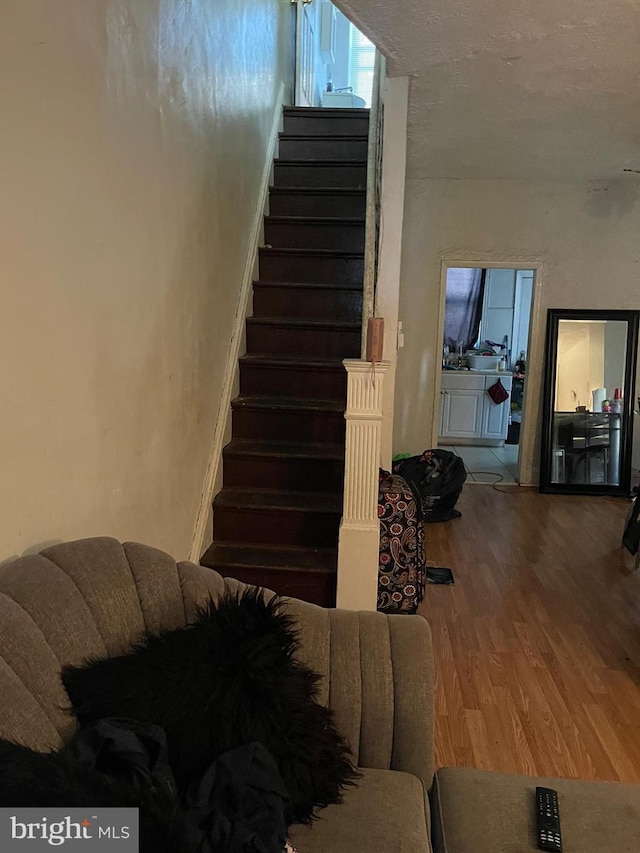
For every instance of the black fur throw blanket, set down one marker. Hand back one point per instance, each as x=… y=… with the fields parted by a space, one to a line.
x=227 y=682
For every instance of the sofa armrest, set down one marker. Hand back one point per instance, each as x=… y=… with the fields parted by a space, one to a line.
x=377 y=677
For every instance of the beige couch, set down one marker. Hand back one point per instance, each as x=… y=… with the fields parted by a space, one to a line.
x=96 y=597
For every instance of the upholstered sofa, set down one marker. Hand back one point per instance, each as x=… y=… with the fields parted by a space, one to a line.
x=96 y=597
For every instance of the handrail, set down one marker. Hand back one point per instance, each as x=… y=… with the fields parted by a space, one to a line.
x=374 y=175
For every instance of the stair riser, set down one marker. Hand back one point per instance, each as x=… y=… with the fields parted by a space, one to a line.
x=287 y=235
x=305 y=383
x=323 y=149
x=300 y=475
x=289 y=426
x=276 y=527
x=320 y=175
x=316 y=560
x=315 y=204
x=279 y=340
x=313 y=269
x=316 y=125
x=319 y=588
x=311 y=304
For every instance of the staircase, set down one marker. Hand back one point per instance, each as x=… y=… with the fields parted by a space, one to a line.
x=276 y=519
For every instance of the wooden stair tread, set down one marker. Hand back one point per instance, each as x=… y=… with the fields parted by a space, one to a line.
x=240 y=498
x=292 y=361
x=334 y=112
x=308 y=137
x=284 y=449
x=316 y=220
x=267 y=556
x=325 y=253
x=312 y=285
x=316 y=190
x=303 y=323
x=286 y=404
x=309 y=164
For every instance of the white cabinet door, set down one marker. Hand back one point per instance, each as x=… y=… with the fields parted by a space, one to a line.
x=495 y=419
x=495 y=416
x=461 y=413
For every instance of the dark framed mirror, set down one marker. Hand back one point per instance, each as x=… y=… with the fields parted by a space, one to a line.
x=589 y=385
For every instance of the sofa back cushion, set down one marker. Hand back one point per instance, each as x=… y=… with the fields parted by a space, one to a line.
x=73 y=601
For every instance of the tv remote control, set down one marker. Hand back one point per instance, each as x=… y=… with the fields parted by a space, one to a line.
x=548 y=819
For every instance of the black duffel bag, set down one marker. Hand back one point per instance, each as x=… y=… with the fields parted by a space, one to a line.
x=436 y=478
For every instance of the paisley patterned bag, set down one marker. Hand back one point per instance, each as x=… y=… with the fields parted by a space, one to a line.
x=401 y=575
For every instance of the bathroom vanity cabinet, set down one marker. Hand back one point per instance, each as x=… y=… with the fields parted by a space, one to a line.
x=467 y=413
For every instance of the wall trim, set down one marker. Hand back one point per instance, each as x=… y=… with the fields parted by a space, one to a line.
x=237 y=336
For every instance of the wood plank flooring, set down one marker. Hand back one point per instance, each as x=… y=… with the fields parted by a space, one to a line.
x=537 y=645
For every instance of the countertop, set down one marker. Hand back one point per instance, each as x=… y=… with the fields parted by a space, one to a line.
x=468 y=370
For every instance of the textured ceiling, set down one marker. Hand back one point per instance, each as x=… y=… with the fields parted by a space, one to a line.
x=537 y=89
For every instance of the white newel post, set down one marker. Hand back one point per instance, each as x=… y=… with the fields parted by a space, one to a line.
x=359 y=540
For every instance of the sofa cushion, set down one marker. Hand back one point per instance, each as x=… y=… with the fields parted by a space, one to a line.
x=387 y=811
x=594 y=816
x=228 y=679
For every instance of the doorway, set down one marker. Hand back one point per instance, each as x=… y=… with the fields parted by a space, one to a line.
x=486 y=321
x=334 y=63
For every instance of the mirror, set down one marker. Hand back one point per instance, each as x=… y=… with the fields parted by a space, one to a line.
x=588 y=401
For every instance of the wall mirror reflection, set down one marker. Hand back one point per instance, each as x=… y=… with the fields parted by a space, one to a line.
x=590 y=378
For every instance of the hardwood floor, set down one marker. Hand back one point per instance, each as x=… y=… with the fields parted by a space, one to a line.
x=537 y=645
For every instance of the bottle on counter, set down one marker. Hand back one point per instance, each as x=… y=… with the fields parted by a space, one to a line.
x=617 y=403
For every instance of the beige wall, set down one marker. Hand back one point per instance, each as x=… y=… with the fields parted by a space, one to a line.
x=585 y=237
x=132 y=148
